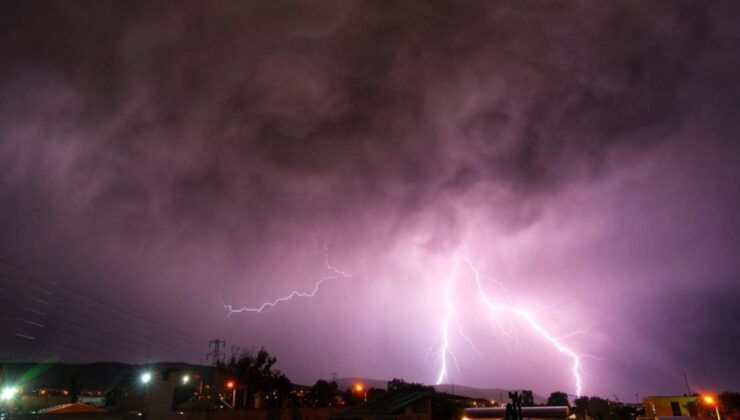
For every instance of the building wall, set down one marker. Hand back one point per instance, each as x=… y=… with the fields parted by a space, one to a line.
x=670 y=406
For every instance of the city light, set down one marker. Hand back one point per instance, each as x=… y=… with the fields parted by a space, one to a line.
x=146 y=377
x=8 y=393
x=710 y=400
x=359 y=387
x=230 y=384
x=186 y=379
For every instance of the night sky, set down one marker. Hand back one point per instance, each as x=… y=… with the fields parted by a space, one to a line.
x=167 y=158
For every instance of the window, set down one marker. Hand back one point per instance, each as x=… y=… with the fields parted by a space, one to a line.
x=676 y=408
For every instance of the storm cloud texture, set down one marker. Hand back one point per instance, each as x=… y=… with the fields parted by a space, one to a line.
x=168 y=157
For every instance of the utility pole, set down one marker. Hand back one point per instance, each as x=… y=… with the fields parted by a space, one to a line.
x=688 y=388
x=218 y=356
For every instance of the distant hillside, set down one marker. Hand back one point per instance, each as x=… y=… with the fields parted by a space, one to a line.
x=105 y=375
x=465 y=391
x=92 y=376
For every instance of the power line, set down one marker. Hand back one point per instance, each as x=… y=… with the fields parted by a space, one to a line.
x=68 y=310
x=63 y=331
x=43 y=340
x=79 y=301
x=78 y=294
x=57 y=317
x=171 y=331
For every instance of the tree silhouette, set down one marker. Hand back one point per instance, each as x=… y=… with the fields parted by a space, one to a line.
x=594 y=407
x=75 y=386
x=323 y=392
x=558 y=398
x=729 y=403
x=352 y=397
x=399 y=385
x=254 y=373
x=527 y=398
x=374 y=393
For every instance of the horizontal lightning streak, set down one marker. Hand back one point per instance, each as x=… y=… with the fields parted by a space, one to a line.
x=267 y=306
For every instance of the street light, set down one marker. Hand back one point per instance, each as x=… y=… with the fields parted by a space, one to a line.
x=231 y=385
x=185 y=379
x=146 y=377
x=8 y=393
x=360 y=389
x=710 y=400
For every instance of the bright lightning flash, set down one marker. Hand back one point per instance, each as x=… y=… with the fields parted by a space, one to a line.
x=445 y=350
x=267 y=306
x=494 y=308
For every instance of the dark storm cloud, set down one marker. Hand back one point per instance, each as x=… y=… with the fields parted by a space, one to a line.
x=191 y=109
x=141 y=135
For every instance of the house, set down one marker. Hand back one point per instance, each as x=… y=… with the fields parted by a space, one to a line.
x=670 y=406
x=411 y=405
x=414 y=405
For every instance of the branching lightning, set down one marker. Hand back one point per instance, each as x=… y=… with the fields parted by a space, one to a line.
x=267 y=306
x=495 y=308
x=450 y=319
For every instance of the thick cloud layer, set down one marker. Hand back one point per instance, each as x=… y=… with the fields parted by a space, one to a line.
x=169 y=156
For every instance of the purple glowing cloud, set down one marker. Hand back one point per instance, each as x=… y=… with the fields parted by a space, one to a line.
x=167 y=159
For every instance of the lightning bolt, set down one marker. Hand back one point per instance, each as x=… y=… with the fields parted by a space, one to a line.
x=450 y=319
x=494 y=308
x=445 y=329
x=269 y=305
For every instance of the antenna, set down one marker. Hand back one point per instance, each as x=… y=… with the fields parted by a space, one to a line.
x=688 y=388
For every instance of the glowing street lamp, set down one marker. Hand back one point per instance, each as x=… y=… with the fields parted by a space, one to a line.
x=146 y=377
x=185 y=379
x=360 y=389
x=711 y=401
x=8 y=393
x=231 y=385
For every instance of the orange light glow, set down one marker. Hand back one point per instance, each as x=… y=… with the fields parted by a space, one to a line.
x=230 y=384
x=359 y=387
x=708 y=399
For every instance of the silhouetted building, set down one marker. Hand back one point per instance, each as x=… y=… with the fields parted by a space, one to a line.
x=412 y=405
x=393 y=406
x=670 y=406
